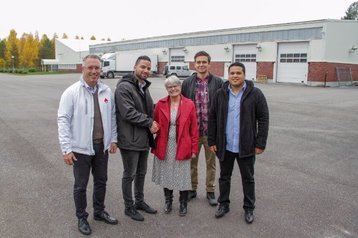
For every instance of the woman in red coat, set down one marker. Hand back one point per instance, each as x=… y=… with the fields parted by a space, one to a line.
x=176 y=143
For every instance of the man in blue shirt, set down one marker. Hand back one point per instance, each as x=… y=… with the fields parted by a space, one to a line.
x=238 y=129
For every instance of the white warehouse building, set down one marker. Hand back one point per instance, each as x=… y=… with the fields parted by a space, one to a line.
x=319 y=52
x=69 y=54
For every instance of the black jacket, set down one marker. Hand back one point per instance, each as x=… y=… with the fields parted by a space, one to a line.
x=189 y=86
x=134 y=114
x=254 y=120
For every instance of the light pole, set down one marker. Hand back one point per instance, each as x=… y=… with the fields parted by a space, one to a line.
x=13 y=63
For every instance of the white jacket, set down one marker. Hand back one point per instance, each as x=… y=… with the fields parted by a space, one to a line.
x=76 y=117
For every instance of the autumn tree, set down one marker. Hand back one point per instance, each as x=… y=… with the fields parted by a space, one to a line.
x=64 y=36
x=93 y=38
x=29 y=52
x=11 y=49
x=53 y=45
x=352 y=12
x=77 y=37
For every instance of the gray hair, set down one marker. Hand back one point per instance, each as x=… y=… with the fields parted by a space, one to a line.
x=90 y=57
x=172 y=80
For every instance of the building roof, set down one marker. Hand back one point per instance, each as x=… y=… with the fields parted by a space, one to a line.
x=79 y=45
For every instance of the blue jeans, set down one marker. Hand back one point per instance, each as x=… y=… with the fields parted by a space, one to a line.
x=246 y=166
x=134 y=169
x=81 y=171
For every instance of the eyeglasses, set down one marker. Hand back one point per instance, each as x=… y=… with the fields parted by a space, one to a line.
x=172 y=86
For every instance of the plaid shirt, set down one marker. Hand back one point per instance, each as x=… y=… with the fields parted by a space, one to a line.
x=202 y=105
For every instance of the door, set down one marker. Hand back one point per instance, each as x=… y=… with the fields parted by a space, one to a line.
x=292 y=66
x=246 y=54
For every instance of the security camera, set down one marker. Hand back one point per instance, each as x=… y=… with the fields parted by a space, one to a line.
x=354 y=48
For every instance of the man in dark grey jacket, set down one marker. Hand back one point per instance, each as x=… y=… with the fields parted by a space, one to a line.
x=200 y=87
x=134 y=113
x=238 y=129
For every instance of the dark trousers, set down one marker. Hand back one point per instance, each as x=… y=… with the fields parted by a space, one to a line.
x=246 y=166
x=81 y=170
x=134 y=168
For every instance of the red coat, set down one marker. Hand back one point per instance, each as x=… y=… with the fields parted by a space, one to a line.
x=186 y=130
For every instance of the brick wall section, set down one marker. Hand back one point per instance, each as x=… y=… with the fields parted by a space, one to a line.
x=265 y=68
x=79 y=68
x=161 y=66
x=216 y=68
x=317 y=71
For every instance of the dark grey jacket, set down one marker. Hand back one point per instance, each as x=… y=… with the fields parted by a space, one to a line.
x=134 y=113
x=189 y=86
x=254 y=121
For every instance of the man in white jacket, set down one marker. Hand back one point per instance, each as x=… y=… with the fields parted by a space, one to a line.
x=87 y=131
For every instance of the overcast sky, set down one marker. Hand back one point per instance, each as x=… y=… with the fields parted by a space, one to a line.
x=122 y=19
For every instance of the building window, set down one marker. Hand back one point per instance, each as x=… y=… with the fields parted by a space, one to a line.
x=177 y=58
x=293 y=58
x=245 y=58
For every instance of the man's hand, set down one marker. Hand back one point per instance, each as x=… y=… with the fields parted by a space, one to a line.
x=69 y=158
x=258 y=151
x=113 y=148
x=154 y=128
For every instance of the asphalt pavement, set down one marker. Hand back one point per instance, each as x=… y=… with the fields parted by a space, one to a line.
x=306 y=180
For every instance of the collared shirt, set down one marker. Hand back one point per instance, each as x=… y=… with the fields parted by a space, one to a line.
x=233 y=120
x=91 y=89
x=202 y=105
x=141 y=86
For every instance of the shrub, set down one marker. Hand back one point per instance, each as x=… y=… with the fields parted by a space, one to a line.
x=32 y=70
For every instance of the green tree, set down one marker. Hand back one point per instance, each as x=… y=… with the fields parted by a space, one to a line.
x=93 y=38
x=2 y=48
x=45 y=48
x=77 y=37
x=64 y=36
x=108 y=39
x=352 y=12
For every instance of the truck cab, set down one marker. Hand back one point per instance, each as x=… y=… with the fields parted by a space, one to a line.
x=108 y=62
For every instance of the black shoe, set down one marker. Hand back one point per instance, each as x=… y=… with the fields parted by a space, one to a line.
x=249 y=216
x=211 y=198
x=183 y=209
x=84 y=227
x=167 y=207
x=192 y=194
x=134 y=214
x=222 y=210
x=104 y=216
x=145 y=207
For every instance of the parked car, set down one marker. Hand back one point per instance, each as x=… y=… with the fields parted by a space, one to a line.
x=179 y=70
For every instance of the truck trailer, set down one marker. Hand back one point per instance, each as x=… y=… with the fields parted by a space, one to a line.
x=121 y=63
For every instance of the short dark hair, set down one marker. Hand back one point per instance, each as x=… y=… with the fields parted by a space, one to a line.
x=202 y=53
x=239 y=64
x=142 y=57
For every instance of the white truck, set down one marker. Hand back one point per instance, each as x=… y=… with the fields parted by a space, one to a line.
x=121 y=63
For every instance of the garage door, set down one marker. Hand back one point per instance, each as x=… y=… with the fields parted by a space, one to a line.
x=177 y=55
x=292 y=64
x=246 y=54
